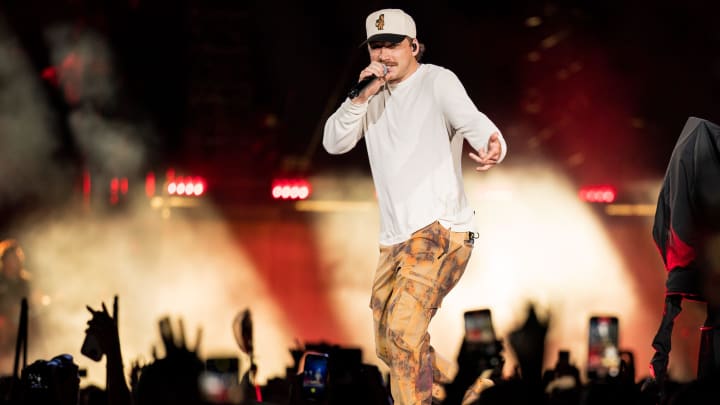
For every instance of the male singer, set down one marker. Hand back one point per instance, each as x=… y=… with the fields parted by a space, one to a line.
x=414 y=118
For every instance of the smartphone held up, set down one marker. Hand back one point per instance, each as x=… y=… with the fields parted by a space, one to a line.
x=604 y=359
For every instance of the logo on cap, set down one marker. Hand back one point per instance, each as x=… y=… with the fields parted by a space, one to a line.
x=380 y=22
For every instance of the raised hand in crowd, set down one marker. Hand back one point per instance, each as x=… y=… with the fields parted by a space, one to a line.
x=102 y=337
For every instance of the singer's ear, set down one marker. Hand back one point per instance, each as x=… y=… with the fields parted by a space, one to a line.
x=414 y=45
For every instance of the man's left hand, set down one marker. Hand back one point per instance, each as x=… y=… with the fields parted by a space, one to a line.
x=488 y=159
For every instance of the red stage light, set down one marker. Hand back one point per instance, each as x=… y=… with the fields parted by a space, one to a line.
x=124 y=185
x=50 y=75
x=605 y=194
x=150 y=184
x=291 y=189
x=187 y=186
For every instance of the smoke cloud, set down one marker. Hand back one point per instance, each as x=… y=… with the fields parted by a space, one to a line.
x=28 y=141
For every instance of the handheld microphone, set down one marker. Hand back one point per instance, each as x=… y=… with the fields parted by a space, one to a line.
x=360 y=86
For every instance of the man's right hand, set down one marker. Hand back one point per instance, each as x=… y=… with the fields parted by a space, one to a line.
x=374 y=68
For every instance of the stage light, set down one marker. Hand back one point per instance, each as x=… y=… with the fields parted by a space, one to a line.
x=291 y=189
x=118 y=187
x=187 y=186
x=50 y=75
x=199 y=187
x=604 y=194
x=150 y=184
x=114 y=186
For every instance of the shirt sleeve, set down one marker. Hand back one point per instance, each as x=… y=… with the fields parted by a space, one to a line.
x=462 y=115
x=344 y=128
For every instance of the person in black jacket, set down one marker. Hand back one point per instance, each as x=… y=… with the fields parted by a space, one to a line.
x=687 y=220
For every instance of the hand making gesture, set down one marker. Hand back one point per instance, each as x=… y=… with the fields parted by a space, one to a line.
x=489 y=158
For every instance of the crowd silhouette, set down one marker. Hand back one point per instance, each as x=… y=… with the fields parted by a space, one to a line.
x=337 y=374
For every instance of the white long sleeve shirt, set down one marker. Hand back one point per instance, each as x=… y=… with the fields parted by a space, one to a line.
x=414 y=133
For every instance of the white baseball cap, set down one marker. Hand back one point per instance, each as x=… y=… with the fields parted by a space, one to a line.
x=390 y=24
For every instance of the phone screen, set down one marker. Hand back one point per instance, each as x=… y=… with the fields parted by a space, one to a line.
x=479 y=327
x=603 y=352
x=315 y=375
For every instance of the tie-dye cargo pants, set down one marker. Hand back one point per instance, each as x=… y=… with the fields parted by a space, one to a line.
x=411 y=280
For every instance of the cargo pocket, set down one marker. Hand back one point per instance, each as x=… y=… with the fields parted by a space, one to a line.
x=409 y=321
x=454 y=265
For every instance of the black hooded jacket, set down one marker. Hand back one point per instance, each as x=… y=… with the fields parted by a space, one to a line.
x=688 y=207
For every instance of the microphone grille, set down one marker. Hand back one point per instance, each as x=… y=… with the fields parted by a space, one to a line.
x=385 y=70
